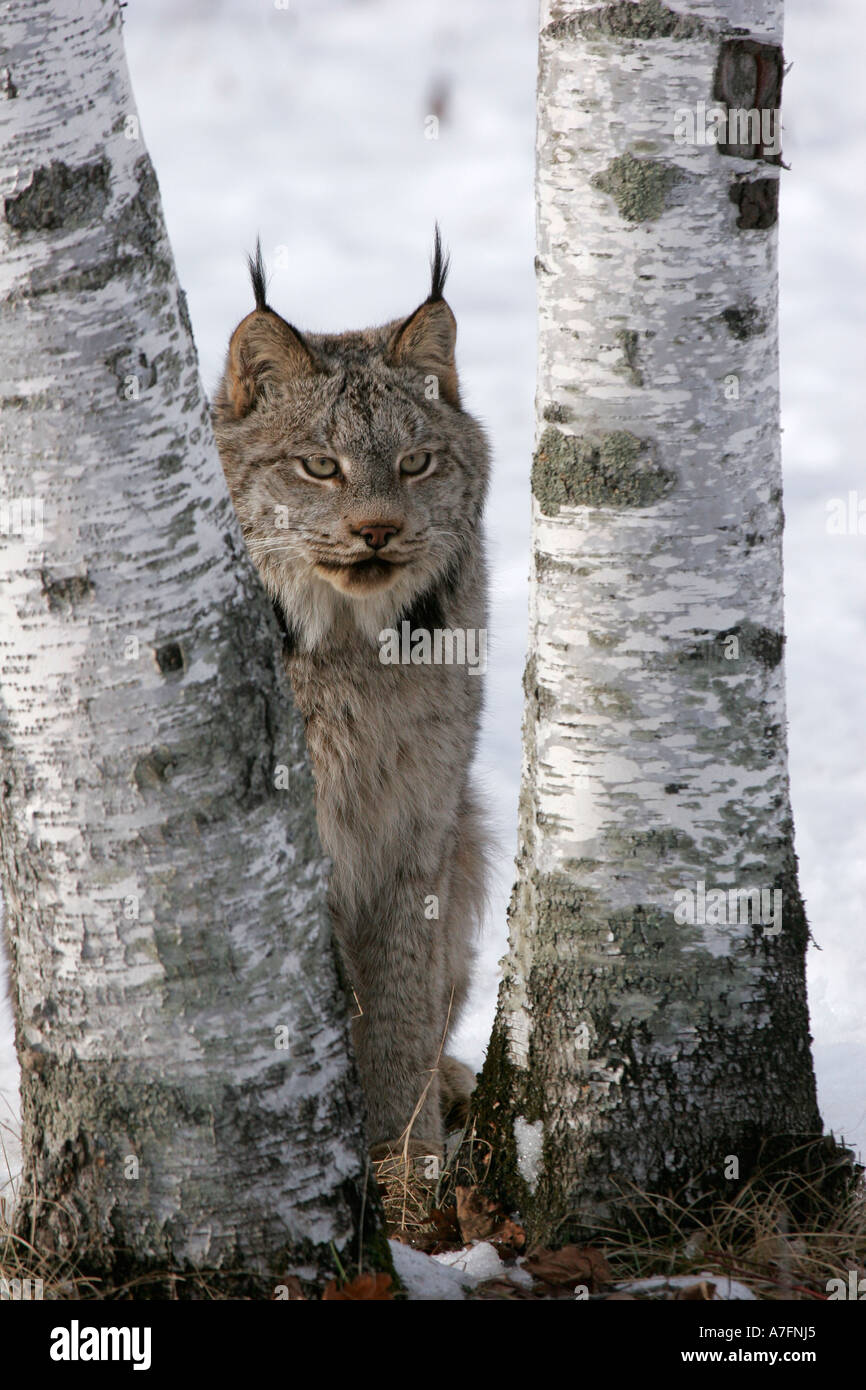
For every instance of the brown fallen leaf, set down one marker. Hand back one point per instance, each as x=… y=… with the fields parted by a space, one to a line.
x=365 y=1288
x=429 y=1243
x=509 y=1238
x=445 y=1224
x=701 y=1291
x=293 y=1285
x=619 y=1298
x=573 y=1264
x=498 y=1289
x=477 y=1215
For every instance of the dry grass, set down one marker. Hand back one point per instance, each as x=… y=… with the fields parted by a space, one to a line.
x=412 y=1186
x=59 y=1278
x=753 y=1237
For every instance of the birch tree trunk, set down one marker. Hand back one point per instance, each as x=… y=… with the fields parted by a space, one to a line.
x=189 y=1101
x=647 y=1032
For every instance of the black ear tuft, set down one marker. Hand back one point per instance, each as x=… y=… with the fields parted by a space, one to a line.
x=257 y=275
x=438 y=269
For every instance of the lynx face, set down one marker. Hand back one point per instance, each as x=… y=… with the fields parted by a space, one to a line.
x=357 y=478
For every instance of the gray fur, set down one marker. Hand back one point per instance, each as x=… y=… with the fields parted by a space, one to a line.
x=391 y=745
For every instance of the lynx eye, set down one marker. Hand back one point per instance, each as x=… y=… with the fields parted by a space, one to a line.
x=320 y=467
x=413 y=465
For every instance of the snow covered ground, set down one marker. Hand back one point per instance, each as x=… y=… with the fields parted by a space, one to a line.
x=309 y=125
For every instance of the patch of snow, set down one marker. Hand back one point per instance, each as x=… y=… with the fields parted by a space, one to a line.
x=424 y=1277
x=731 y=1290
x=479 y=1262
x=530 y=1143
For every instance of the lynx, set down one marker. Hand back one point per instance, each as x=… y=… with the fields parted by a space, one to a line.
x=359 y=482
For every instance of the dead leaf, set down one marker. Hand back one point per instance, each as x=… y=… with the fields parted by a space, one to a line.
x=293 y=1285
x=366 y=1288
x=445 y=1224
x=478 y=1215
x=573 y=1264
x=427 y=1242
x=498 y=1289
x=701 y=1291
x=509 y=1238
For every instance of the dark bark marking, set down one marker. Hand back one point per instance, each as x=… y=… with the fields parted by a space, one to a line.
x=758 y=202
x=154 y=769
x=63 y=592
x=745 y=320
x=59 y=196
x=628 y=339
x=748 y=77
x=169 y=658
x=131 y=362
x=761 y=644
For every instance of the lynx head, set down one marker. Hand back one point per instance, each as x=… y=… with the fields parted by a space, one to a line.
x=357 y=477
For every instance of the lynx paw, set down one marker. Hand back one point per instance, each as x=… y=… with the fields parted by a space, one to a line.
x=456 y=1084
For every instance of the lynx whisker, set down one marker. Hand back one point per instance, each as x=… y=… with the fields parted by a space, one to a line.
x=262 y=551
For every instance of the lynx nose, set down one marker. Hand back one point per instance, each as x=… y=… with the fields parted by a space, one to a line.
x=377 y=536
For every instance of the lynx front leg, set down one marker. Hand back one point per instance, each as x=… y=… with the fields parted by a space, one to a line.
x=398 y=971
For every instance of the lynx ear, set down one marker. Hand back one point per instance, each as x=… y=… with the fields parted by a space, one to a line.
x=426 y=339
x=263 y=347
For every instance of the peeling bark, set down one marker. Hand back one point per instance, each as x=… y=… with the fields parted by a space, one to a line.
x=165 y=902
x=632 y=1047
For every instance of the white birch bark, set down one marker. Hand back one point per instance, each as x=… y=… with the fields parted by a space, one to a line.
x=188 y=1095
x=633 y=1048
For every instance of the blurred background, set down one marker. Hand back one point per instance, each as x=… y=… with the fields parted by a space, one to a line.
x=340 y=130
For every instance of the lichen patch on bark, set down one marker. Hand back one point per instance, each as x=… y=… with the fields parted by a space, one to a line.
x=639 y=187
x=618 y=471
x=629 y=19
x=60 y=197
